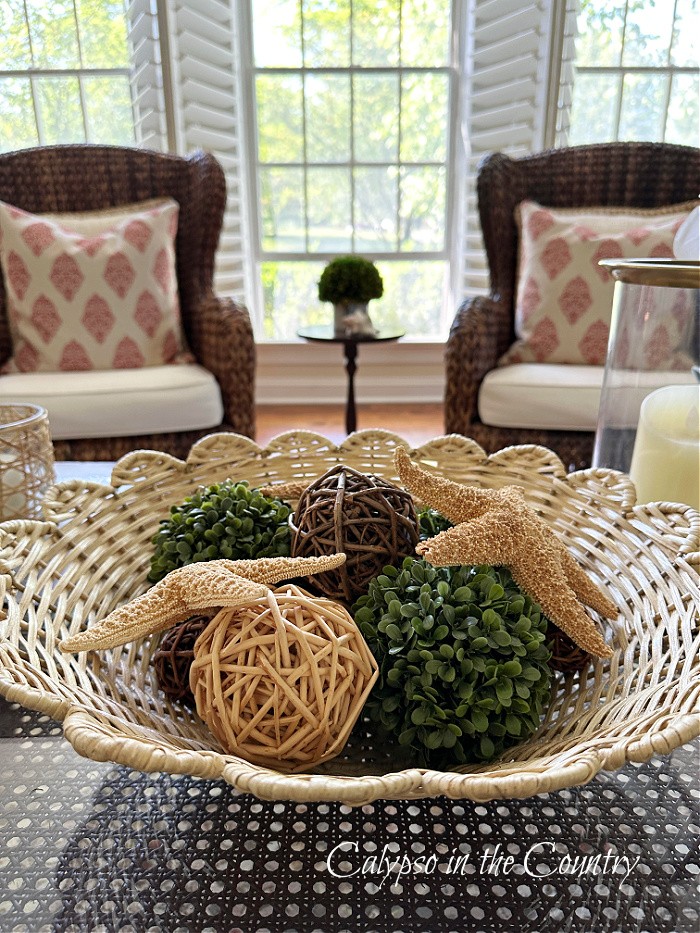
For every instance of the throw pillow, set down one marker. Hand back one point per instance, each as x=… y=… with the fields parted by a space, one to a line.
x=564 y=298
x=92 y=291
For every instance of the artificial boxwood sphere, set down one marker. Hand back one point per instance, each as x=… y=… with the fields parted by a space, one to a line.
x=463 y=659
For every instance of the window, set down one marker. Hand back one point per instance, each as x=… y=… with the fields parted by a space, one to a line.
x=352 y=129
x=636 y=75
x=64 y=73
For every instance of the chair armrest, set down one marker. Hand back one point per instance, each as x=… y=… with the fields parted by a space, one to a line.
x=480 y=333
x=224 y=344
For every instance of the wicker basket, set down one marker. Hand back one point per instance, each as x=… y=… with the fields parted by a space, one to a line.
x=92 y=552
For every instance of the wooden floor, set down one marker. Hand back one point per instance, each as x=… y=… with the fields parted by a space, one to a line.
x=416 y=423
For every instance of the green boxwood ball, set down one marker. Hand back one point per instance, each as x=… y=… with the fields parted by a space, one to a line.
x=350 y=278
x=431 y=522
x=463 y=660
x=226 y=520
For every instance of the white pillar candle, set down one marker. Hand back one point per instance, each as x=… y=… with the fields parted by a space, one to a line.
x=666 y=459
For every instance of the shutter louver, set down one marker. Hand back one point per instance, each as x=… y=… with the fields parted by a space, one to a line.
x=146 y=76
x=203 y=43
x=505 y=101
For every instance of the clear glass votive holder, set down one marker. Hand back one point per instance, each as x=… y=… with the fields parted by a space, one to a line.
x=26 y=460
x=648 y=420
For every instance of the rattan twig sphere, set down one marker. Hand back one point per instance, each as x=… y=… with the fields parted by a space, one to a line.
x=173 y=659
x=281 y=681
x=365 y=517
x=567 y=657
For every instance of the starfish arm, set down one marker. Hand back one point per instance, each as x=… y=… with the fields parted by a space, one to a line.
x=469 y=543
x=290 y=490
x=551 y=590
x=275 y=569
x=154 y=611
x=454 y=500
x=585 y=588
x=204 y=585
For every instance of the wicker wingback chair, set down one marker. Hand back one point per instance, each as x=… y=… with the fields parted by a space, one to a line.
x=218 y=331
x=626 y=174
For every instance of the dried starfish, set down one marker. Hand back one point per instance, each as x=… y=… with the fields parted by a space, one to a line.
x=199 y=587
x=290 y=490
x=497 y=527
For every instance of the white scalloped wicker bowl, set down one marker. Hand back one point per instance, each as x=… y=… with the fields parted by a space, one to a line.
x=92 y=554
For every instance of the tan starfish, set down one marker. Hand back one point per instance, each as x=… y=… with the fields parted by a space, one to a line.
x=497 y=527
x=199 y=587
x=290 y=490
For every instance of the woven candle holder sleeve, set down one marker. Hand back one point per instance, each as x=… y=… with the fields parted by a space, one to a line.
x=173 y=658
x=372 y=521
x=26 y=460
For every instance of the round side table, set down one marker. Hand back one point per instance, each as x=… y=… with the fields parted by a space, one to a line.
x=326 y=334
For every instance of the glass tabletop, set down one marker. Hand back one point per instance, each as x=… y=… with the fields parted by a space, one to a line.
x=93 y=846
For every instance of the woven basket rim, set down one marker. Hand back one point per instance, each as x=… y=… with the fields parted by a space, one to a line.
x=93 y=735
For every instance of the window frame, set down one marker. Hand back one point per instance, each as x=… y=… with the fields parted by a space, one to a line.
x=451 y=252
x=669 y=70
x=78 y=73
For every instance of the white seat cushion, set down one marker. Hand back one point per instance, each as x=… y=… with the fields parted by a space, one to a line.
x=120 y=402
x=560 y=397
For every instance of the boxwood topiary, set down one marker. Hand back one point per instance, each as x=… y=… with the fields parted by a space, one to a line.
x=350 y=278
x=224 y=520
x=463 y=659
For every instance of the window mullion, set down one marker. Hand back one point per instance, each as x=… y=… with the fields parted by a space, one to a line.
x=351 y=79
x=37 y=114
x=35 y=106
x=669 y=76
x=305 y=166
x=81 y=89
x=398 y=153
x=621 y=82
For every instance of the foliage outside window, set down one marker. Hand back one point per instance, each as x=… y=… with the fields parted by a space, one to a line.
x=636 y=72
x=64 y=73
x=352 y=107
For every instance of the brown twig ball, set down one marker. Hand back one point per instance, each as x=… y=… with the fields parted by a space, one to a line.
x=567 y=657
x=370 y=520
x=281 y=681
x=173 y=658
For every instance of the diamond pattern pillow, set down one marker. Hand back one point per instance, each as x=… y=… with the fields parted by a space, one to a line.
x=92 y=291
x=564 y=298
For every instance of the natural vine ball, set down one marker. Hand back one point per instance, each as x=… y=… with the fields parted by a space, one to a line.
x=173 y=658
x=282 y=680
x=370 y=520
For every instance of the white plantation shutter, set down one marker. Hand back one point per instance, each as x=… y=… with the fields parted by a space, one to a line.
x=206 y=106
x=566 y=78
x=507 y=67
x=146 y=75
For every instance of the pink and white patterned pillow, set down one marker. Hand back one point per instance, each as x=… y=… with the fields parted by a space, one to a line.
x=92 y=291
x=564 y=298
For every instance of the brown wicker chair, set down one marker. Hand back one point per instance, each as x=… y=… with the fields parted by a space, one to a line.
x=613 y=174
x=85 y=177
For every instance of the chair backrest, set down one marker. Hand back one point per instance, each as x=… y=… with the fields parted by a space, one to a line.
x=85 y=177
x=625 y=174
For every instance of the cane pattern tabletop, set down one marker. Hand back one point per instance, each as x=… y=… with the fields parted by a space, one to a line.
x=90 y=846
